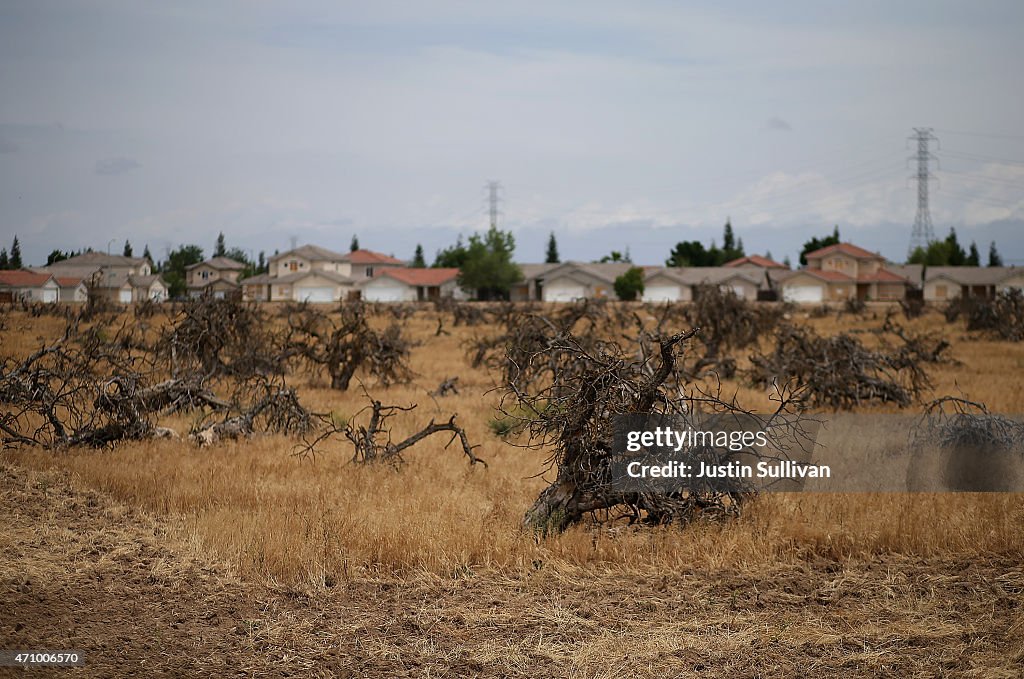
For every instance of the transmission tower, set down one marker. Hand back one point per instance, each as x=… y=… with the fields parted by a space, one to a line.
x=492 y=198
x=923 y=232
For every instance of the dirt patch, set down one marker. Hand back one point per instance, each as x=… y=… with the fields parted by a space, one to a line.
x=80 y=571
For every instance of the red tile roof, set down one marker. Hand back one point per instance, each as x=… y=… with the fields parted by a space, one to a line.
x=21 y=278
x=67 y=281
x=424 y=277
x=846 y=249
x=369 y=257
x=756 y=260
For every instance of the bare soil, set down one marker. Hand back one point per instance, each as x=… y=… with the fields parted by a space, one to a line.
x=78 y=570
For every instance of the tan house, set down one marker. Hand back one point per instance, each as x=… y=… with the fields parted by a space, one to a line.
x=840 y=272
x=570 y=281
x=314 y=274
x=120 y=279
x=943 y=283
x=216 y=277
x=72 y=289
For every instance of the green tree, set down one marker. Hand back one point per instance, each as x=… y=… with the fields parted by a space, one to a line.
x=453 y=256
x=174 y=269
x=945 y=252
x=15 y=254
x=147 y=255
x=354 y=245
x=689 y=253
x=127 y=252
x=973 y=257
x=552 y=254
x=819 y=243
x=616 y=256
x=630 y=285
x=418 y=262
x=5 y=260
x=220 y=249
x=993 y=256
x=488 y=267
x=54 y=257
x=956 y=254
x=693 y=253
x=261 y=265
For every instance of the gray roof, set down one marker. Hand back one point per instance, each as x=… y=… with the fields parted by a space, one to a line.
x=695 y=275
x=602 y=271
x=219 y=263
x=144 y=281
x=313 y=253
x=531 y=271
x=98 y=259
x=971 y=275
x=912 y=272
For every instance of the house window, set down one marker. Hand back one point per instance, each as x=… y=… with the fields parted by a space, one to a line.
x=205 y=275
x=369 y=272
x=293 y=265
x=941 y=292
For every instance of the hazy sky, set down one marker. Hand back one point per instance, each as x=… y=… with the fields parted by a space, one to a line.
x=609 y=123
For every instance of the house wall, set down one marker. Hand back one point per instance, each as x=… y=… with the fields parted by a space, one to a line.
x=940 y=290
x=660 y=289
x=195 y=276
x=74 y=293
x=890 y=291
x=1014 y=281
x=386 y=289
x=565 y=289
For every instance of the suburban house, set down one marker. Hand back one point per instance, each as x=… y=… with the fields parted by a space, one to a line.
x=676 y=284
x=394 y=284
x=840 y=272
x=570 y=281
x=314 y=274
x=943 y=283
x=531 y=287
x=120 y=279
x=72 y=289
x=30 y=286
x=216 y=277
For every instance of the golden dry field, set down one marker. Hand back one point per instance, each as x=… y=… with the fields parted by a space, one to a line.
x=159 y=558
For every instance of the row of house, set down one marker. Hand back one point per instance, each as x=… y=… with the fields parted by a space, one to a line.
x=314 y=274
x=833 y=274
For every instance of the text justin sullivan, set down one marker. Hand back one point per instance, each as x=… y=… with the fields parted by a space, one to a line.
x=784 y=469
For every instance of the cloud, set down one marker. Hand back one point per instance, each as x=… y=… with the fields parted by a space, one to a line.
x=778 y=124
x=116 y=166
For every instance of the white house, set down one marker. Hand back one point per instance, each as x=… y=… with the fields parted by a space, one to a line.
x=411 y=285
x=314 y=274
x=570 y=281
x=29 y=286
x=107 y=275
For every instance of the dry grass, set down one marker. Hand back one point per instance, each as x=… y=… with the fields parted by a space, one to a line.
x=306 y=522
x=324 y=568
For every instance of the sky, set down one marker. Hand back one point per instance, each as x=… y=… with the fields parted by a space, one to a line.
x=613 y=125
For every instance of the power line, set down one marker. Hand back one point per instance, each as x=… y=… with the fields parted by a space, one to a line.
x=990 y=135
x=966 y=155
